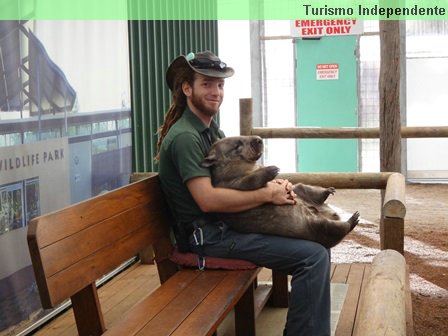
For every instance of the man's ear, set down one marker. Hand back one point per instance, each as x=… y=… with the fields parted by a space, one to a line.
x=187 y=89
x=209 y=160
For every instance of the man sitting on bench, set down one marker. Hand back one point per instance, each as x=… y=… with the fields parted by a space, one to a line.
x=197 y=85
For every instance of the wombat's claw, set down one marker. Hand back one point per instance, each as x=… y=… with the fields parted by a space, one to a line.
x=271 y=172
x=324 y=195
x=353 y=220
x=331 y=190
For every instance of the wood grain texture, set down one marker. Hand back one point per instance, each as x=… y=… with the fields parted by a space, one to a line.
x=383 y=304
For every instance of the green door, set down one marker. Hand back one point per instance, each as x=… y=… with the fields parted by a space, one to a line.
x=327 y=97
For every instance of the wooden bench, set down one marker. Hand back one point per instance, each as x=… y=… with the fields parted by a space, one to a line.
x=73 y=247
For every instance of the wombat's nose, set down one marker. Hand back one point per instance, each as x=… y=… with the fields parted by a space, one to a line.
x=256 y=142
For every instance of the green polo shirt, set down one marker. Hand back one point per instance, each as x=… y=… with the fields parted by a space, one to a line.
x=182 y=150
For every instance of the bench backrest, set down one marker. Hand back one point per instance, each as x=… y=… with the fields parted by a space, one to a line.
x=73 y=247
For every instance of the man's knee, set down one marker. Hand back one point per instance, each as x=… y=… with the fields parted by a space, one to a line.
x=319 y=257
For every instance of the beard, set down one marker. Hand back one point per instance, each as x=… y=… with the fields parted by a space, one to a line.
x=208 y=109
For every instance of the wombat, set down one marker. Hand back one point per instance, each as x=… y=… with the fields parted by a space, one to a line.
x=233 y=164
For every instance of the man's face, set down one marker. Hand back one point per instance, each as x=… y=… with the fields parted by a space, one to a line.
x=206 y=95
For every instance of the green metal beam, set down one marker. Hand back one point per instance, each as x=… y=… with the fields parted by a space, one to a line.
x=153 y=45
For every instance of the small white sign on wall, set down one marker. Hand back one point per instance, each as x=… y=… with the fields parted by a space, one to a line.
x=327 y=71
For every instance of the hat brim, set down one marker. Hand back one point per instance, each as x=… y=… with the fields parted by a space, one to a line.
x=181 y=63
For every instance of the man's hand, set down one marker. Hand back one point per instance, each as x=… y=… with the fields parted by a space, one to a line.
x=281 y=192
x=288 y=185
x=211 y=199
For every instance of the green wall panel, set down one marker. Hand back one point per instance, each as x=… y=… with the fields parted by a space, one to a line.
x=153 y=45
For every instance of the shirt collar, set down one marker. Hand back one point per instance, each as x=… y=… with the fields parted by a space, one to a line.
x=197 y=123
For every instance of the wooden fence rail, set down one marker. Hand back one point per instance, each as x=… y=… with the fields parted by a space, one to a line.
x=393 y=208
x=329 y=132
x=347 y=132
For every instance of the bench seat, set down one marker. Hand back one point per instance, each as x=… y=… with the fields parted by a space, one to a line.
x=192 y=302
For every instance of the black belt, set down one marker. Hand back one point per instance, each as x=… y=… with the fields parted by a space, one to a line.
x=200 y=222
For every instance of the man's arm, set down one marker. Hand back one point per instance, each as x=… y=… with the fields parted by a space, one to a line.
x=211 y=199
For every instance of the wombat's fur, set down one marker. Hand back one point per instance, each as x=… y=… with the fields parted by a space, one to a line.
x=233 y=165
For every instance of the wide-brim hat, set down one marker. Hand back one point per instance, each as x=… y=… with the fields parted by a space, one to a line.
x=205 y=63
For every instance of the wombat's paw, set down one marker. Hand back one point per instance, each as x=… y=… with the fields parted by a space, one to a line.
x=331 y=191
x=271 y=172
x=353 y=220
x=322 y=197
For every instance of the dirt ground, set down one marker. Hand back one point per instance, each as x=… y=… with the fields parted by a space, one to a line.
x=426 y=247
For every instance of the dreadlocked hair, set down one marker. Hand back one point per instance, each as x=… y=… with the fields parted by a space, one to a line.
x=177 y=107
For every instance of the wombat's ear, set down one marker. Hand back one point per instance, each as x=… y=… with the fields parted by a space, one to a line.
x=209 y=160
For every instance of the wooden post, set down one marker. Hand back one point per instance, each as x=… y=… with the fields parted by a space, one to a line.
x=390 y=123
x=392 y=234
x=246 y=116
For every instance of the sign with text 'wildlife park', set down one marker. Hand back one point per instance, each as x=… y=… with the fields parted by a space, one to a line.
x=317 y=28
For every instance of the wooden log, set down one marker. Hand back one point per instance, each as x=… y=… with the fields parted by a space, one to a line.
x=246 y=122
x=389 y=89
x=409 y=310
x=316 y=132
x=425 y=132
x=245 y=116
x=345 y=132
x=340 y=180
x=382 y=309
x=394 y=199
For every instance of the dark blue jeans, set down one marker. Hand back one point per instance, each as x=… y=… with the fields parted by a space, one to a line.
x=308 y=263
